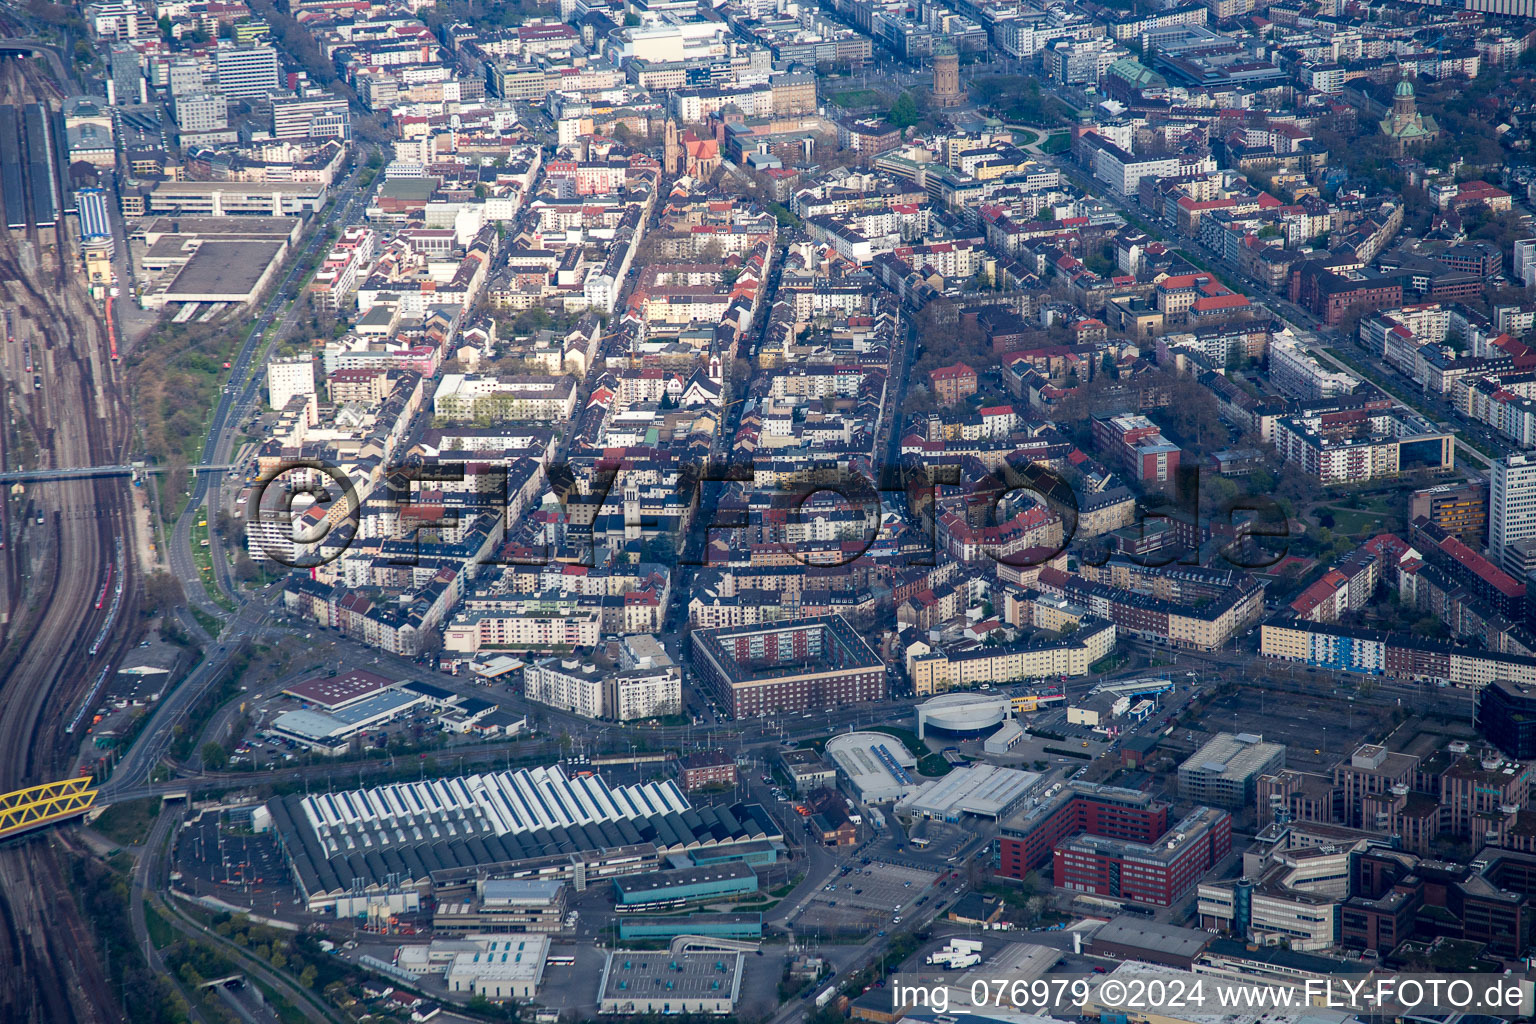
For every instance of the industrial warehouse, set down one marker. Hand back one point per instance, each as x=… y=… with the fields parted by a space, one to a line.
x=405 y=840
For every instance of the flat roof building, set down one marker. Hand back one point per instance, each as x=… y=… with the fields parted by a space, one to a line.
x=504 y=967
x=1157 y=873
x=223 y=272
x=221 y=198
x=807 y=769
x=505 y=905
x=636 y=983
x=329 y=732
x=717 y=926
x=877 y=765
x=685 y=885
x=335 y=692
x=1224 y=771
x=980 y=790
x=1136 y=938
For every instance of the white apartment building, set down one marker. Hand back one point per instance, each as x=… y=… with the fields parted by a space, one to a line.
x=249 y=71
x=1525 y=262
x=578 y=687
x=289 y=377
x=524 y=631
x=1123 y=171
x=345 y=266
x=569 y=685
x=462 y=395
x=1511 y=505
x=1295 y=372
x=646 y=693
x=313 y=117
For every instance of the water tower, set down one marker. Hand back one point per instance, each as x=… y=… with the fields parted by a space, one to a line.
x=946 y=75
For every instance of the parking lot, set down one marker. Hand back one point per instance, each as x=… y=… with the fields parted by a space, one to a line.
x=1332 y=726
x=243 y=869
x=869 y=896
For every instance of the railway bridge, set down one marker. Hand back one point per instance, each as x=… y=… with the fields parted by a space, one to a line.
x=27 y=476
x=38 y=806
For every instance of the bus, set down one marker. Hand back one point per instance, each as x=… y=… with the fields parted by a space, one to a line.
x=560 y=961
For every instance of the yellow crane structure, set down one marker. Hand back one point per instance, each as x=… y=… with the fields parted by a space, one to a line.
x=25 y=809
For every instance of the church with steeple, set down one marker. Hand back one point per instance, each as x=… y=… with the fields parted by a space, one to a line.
x=1405 y=127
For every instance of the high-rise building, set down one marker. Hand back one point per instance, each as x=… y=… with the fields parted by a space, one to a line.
x=287 y=378
x=1459 y=509
x=202 y=112
x=186 y=75
x=1525 y=261
x=126 y=84
x=1511 y=504
x=251 y=71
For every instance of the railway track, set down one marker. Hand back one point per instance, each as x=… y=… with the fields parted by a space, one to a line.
x=49 y=969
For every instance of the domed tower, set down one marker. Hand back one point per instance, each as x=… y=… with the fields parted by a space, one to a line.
x=946 y=75
x=1404 y=106
x=1405 y=127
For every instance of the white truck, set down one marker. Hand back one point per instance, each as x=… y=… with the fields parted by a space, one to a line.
x=953 y=959
x=826 y=995
x=965 y=945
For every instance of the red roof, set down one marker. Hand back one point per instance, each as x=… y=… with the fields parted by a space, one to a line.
x=951 y=372
x=1485 y=570
x=1317 y=593
x=1219 y=302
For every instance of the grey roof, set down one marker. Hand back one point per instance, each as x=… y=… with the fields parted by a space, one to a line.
x=1165 y=938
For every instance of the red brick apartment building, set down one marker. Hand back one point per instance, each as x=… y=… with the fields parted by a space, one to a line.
x=787 y=666
x=1114 y=842
x=1138 y=446
x=1331 y=296
x=708 y=768
x=952 y=384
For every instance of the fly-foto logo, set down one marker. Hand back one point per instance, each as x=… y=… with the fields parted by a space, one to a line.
x=309 y=512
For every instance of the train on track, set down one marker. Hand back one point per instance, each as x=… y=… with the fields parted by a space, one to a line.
x=101 y=598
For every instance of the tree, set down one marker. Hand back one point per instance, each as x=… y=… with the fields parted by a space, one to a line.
x=430 y=642
x=215 y=757
x=904 y=113
x=308 y=975
x=161 y=591
x=246 y=570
